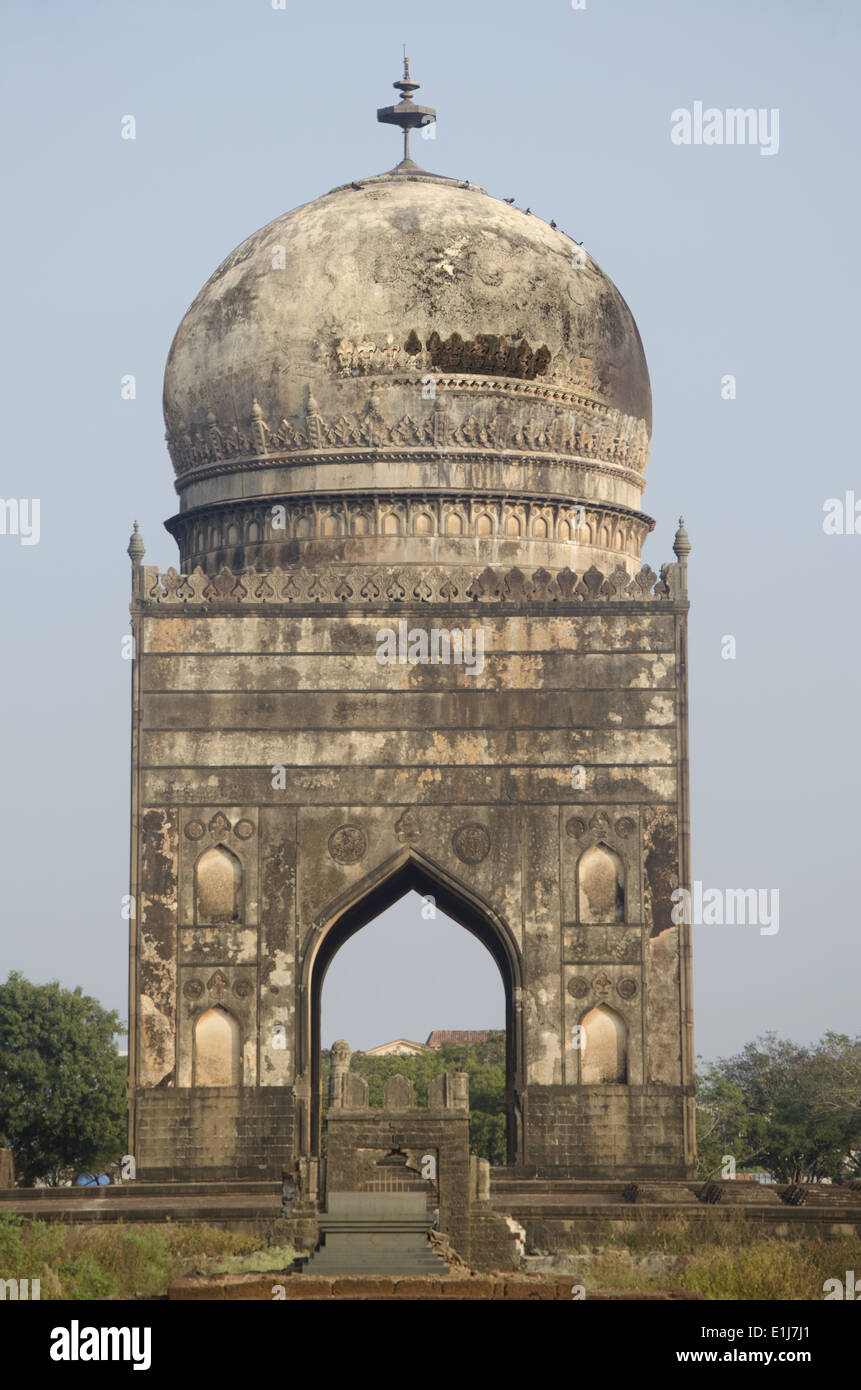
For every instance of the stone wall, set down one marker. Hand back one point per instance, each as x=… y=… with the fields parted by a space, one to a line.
x=594 y=1131
x=215 y=1133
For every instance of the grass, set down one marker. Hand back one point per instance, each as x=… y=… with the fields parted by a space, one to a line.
x=116 y=1261
x=720 y=1260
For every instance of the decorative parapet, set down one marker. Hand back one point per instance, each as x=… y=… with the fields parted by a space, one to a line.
x=506 y=416
x=345 y=584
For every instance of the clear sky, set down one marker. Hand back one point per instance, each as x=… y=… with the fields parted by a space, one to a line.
x=733 y=262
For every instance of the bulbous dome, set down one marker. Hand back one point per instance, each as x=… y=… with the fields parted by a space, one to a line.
x=402 y=349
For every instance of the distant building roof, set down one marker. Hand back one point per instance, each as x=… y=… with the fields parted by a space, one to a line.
x=445 y=1037
x=400 y=1047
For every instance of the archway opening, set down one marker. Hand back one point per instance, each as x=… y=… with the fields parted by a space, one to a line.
x=435 y=910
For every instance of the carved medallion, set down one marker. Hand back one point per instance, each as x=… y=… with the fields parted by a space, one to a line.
x=625 y=827
x=348 y=844
x=578 y=988
x=244 y=829
x=575 y=827
x=471 y=843
x=195 y=829
x=242 y=989
x=627 y=988
x=192 y=989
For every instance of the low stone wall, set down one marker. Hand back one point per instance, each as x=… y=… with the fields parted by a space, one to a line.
x=290 y=1288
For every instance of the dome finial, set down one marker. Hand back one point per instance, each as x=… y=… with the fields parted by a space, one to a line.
x=407 y=115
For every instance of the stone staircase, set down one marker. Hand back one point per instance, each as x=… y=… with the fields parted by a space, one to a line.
x=375 y=1233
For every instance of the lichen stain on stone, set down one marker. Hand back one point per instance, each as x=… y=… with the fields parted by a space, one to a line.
x=157 y=1036
x=661 y=710
x=660 y=845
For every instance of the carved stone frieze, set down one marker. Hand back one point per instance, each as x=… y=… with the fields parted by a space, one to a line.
x=500 y=416
x=342 y=584
x=333 y=516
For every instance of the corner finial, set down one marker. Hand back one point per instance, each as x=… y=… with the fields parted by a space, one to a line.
x=682 y=549
x=407 y=115
x=682 y=544
x=136 y=551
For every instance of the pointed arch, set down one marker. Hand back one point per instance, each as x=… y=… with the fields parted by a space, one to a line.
x=600 y=885
x=216 y=1058
x=604 y=1051
x=378 y=890
x=217 y=887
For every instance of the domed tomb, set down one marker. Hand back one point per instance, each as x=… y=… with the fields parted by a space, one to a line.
x=408 y=371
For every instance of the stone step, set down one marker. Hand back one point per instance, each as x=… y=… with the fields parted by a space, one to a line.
x=134 y=1191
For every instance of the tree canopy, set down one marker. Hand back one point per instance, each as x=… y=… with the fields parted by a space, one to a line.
x=62 y=1082
x=485 y=1064
x=793 y=1110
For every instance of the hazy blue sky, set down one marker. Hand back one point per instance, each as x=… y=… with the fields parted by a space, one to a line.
x=732 y=262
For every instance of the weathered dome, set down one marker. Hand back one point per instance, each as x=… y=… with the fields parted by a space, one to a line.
x=401 y=347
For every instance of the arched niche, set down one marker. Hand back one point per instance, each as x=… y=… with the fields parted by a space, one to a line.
x=216 y=1049
x=601 y=885
x=604 y=1047
x=217 y=887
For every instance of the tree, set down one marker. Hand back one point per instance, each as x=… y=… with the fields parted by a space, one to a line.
x=795 y=1110
x=62 y=1083
x=485 y=1064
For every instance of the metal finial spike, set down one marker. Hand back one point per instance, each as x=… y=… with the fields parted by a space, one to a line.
x=406 y=115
